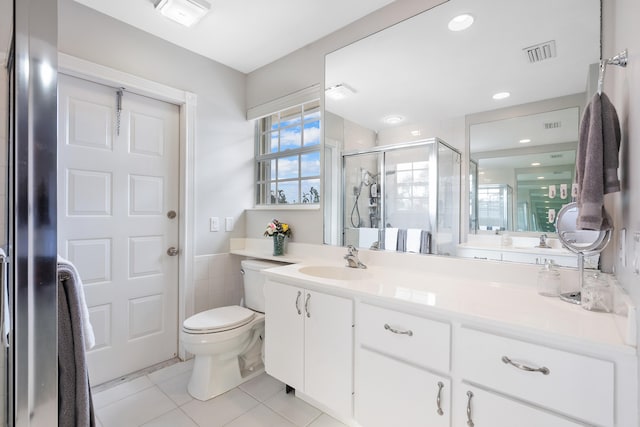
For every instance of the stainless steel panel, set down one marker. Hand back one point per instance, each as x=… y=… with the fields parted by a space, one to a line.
x=32 y=241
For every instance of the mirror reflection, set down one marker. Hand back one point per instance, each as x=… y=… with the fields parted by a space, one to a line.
x=525 y=170
x=480 y=93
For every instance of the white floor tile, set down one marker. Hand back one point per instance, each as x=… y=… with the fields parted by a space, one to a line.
x=220 y=410
x=120 y=391
x=136 y=409
x=175 y=418
x=325 y=420
x=295 y=410
x=262 y=387
x=176 y=388
x=260 y=416
x=164 y=374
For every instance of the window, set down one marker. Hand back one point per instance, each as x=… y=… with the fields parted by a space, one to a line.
x=288 y=156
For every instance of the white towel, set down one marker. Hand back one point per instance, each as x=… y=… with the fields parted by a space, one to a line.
x=413 y=240
x=367 y=237
x=391 y=239
x=89 y=336
x=6 y=316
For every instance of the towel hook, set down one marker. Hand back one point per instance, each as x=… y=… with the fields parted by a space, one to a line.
x=620 y=60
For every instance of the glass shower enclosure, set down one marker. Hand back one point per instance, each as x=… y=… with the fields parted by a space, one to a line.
x=391 y=193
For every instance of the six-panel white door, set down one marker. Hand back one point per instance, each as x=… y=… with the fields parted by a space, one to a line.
x=115 y=189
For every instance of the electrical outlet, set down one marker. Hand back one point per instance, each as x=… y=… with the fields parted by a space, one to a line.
x=214 y=223
x=228 y=223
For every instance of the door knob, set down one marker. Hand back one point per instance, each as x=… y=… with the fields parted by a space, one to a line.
x=172 y=251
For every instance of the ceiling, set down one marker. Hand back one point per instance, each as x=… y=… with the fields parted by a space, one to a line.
x=244 y=34
x=422 y=71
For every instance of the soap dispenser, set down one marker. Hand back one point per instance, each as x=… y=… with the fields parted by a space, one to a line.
x=549 y=279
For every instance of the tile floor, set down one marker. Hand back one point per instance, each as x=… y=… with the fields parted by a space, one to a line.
x=160 y=399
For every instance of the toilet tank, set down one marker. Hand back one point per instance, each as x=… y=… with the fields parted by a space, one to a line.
x=254 y=280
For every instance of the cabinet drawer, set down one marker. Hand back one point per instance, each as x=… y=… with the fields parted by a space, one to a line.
x=421 y=341
x=390 y=392
x=486 y=409
x=576 y=385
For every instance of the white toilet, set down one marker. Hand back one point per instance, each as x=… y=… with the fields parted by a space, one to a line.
x=227 y=342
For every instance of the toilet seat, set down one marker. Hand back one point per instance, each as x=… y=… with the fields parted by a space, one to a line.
x=218 y=320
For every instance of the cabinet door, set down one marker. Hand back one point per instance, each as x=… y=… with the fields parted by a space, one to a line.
x=491 y=410
x=390 y=393
x=329 y=351
x=284 y=328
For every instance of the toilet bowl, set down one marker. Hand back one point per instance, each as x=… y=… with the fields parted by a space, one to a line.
x=227 y=341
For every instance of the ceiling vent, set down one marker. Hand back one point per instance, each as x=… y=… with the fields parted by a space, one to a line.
x=540 y=52
x=552 y=125
x=556 y=156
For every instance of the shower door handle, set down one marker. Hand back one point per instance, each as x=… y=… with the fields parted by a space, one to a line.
x=5 y=315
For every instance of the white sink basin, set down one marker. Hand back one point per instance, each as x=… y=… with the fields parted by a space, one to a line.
x=335 y=273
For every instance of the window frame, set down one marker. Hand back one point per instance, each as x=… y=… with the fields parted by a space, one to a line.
x=265 y=179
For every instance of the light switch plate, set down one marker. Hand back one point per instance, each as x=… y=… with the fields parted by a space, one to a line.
x=214 y=223
x=228 y=223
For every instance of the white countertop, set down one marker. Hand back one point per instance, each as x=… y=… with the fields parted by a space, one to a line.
x=493 y=303
x=493 y=293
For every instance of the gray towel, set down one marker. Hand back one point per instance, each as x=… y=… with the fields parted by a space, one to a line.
x=425 y=242
x=75 y=406
x=597 y=162
x=402 y=240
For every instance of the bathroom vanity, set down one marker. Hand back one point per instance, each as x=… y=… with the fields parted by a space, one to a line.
x=433 y=341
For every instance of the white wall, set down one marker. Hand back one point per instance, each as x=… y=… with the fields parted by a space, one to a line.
x=620 y=31
x=304 y=68
x=224 y=138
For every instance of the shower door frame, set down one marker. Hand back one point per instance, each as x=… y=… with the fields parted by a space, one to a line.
x=433 y=177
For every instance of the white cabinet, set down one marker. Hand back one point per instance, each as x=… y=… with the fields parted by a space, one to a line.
x=390 y=392
x=479 y=408
x=397 y=361
x=571 y=384
x=309 y=343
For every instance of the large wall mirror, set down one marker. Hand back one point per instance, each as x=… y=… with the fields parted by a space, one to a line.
x=420 y=80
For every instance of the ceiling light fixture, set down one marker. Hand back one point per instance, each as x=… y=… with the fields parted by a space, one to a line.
x=461 y=22
x=524 y=141
x=185 y=12
x=339 y=91
x=393 y=119
x=535 y=164
x=541 y=177
x=501 y=95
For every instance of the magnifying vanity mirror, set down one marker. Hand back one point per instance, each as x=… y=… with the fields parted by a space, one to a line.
x=419 y=81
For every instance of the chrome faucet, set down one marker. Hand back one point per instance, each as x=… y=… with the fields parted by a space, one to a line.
x=352 y=258
x=543 y=241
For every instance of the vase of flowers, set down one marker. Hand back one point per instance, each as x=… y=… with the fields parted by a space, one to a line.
x=279 y=231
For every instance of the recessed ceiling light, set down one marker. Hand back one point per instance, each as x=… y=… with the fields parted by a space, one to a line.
x=339 y=91
x=523 y=141
x=393 y=119
x=541 y=177
x=461 y=22
x=543 y=188
x=546 y=201
x=535 y=164
x=185 y=12
x=501 y=95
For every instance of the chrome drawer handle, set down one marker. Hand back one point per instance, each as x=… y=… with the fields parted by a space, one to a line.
x=298 y=302
x=306 y=305
x=438 y=402
x=469 y=420
x=398 y=331
x=544 y=370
